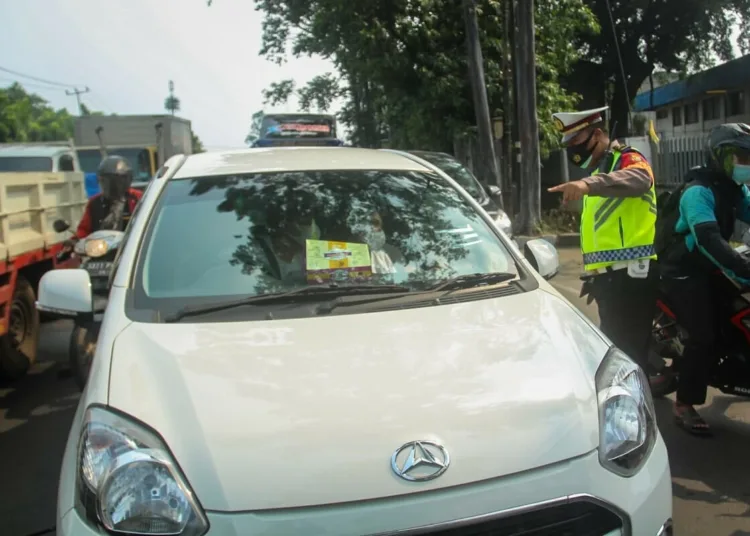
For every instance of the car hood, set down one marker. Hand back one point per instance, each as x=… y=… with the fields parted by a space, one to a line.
x=304 y=412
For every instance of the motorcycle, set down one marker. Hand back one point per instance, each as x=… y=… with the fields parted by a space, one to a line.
x=97 y=253
x=730 y=373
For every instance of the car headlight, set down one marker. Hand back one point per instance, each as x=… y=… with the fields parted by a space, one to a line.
x=627 y=420
x=96 y=247
x=128 y=482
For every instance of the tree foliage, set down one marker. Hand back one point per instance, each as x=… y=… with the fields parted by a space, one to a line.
x=197 y=143
x=255 y=123
x=671 y=35
x=26 y=117
x=401 y=64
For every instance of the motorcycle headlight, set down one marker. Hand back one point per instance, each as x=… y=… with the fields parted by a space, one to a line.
x=627 y=420
x=503 y=222
x=128 y=482
x=96 y=247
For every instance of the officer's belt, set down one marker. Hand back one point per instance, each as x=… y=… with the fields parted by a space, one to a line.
x=609 y=269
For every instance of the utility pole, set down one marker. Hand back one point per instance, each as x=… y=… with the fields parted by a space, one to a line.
x=78 y=92
x=488 y=161
x=528 y=128
x=509 y=116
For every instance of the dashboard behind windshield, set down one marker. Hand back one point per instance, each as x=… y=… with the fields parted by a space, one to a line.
x=214 y=238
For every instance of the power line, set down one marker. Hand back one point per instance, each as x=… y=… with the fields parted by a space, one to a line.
x=619 y=59
x=30 y=84
x=30 y=77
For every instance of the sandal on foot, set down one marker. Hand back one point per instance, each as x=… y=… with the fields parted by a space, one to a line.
x=689 y=420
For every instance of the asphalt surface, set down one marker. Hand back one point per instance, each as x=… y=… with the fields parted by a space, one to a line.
x=711 y=477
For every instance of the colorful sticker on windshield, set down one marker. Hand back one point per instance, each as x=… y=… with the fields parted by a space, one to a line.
x=337 y=261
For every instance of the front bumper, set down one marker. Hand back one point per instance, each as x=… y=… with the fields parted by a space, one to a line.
x=643 y=503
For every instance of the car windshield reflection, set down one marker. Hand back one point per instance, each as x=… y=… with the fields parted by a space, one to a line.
x=247 y=235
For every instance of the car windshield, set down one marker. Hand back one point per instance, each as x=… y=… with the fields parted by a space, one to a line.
x=25 y=163
x=456 y=171
x=248 y=235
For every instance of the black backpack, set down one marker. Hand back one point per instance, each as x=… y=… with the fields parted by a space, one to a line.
x=668 y=207
x=667 y=214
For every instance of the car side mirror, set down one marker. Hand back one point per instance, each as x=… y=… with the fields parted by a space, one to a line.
x=543 y=257
x=65 y=293
x=496 y=194
x=60 y=226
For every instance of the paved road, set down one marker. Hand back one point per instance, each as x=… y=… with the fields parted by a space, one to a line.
x=711 y=477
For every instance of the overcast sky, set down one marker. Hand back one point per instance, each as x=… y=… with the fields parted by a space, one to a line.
x=126 y=51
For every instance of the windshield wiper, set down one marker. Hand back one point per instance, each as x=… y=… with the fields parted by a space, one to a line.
x=280 y=297
x=473 y=280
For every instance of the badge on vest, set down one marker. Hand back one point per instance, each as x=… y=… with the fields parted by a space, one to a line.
x=638 y=269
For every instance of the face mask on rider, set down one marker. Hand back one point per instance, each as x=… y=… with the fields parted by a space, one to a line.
x=579 y=154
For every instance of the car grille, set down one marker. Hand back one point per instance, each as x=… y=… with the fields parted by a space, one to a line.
x=579 y=518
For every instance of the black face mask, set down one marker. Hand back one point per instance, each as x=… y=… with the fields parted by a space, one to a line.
x=579 y=154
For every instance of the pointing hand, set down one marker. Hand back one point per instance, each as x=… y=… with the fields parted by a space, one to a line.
x=572 y=191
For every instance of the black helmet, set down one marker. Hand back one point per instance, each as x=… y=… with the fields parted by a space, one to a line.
x=725 y=141
x=115 y=176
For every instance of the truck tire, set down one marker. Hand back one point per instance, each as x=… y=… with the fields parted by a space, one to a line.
x=18 y=347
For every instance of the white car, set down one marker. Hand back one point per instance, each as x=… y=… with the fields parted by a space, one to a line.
x=338 y=341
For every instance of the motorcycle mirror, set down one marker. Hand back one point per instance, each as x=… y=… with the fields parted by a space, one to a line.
x=60 y=226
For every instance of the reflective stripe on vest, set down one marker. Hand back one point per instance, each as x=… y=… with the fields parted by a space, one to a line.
x=617 y=229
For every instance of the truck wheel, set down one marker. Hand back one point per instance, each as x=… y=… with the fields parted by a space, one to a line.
x=18 y=346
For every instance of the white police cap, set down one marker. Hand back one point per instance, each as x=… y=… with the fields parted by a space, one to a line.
x=571 y=123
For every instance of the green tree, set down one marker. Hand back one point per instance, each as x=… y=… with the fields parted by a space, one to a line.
x=401 y=65
x=197 y=143
x=255 y=123
x=669 y=35
x=27 y=117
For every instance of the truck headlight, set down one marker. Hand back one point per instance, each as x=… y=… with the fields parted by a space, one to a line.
x=128 y=482
x=96 y=247
x=503 y=222
x=627 y=420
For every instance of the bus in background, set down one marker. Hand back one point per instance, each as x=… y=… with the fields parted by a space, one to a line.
x=143 y=160
x=278 y=130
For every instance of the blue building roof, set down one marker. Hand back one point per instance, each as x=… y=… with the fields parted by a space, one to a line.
x=733 y=74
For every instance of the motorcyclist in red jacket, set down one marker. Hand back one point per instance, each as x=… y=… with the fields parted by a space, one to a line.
x=113 y=207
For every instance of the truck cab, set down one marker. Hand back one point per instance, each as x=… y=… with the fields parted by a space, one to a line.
x=32 y=157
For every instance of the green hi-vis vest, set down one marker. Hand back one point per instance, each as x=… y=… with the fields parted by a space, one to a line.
x=617 y=229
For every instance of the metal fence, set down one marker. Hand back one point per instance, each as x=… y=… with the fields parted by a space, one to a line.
x=671 y=160
x=673 y=157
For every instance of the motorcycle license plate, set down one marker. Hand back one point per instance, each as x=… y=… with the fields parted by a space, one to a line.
x=99 y=268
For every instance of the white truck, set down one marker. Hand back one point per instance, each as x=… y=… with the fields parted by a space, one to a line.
x=39 y=183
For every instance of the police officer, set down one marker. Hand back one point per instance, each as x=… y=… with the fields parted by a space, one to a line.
x=617 y=228
x=112 y=208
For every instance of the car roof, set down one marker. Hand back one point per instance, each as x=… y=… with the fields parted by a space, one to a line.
x=32 y=150
x=433 y=153
x=279 y=159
